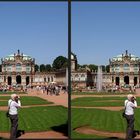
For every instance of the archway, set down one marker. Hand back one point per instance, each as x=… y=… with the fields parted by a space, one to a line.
x=135 y=81
x=18 y=79
x=27 y=80
x=117 y=81
x=9 y=80
x=126 y=80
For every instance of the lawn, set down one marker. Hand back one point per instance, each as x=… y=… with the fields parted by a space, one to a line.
x=11 y=92
x=101 y=93
x=25 y=100
x=99 y=119
x=37 y=118
x=99 y=101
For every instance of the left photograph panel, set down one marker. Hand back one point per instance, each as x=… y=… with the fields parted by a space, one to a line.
x=34 y=70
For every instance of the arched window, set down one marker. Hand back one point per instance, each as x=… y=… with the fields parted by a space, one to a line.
x=9 y=67
x=76 y=75
x=126 y=67
x=117 y=68
x=136 y=68
x=112 y=68
x=18 y=67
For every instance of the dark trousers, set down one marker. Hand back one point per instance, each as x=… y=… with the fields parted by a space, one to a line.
x=14 y=126
x=130 y=126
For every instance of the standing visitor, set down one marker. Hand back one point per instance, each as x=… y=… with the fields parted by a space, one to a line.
x=13 y=104
x=130 y=104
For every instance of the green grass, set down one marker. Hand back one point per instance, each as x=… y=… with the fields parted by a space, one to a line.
x=37 y=118
x=99 y=119
x=25 y=100
x=99 y=101
x=101 y=93
x=11 y=92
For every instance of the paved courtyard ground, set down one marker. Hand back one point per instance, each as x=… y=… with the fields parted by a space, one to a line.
x=61 y=99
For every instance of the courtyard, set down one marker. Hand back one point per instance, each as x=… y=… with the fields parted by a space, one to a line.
x=41 y=116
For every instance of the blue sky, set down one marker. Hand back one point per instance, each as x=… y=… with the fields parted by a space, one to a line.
x=102 y=30
x=38 y=29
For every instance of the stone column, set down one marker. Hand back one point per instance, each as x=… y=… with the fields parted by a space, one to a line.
x=131 y=80
x=14 y=79
x=23 y=80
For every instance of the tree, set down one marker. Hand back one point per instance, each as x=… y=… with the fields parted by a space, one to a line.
x=36 y=68
x=93 y=67
x=60 y=62
x=107 y=68
x=78 y=66
x=42 y=68
x=103 y=68
x=48 y=67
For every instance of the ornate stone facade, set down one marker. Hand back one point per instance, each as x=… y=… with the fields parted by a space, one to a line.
x=19 y=69
x=124 y=71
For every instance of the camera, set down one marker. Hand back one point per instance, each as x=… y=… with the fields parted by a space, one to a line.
x=135 y=133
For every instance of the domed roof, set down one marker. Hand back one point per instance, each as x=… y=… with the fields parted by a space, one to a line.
x=11 y=56
x=120 y=57
x=73 y=56
x=26 y=57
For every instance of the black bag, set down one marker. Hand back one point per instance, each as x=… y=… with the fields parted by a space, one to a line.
x=123 y=114
x=7 y=114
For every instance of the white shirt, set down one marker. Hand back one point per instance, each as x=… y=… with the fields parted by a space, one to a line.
x=130 y=107
x=13 y=106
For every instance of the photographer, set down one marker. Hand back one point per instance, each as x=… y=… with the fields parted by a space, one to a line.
x=130 y=104
x=14 y=103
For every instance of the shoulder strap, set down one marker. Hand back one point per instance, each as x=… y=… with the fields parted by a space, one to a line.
x=9 y=105
x=125 y=106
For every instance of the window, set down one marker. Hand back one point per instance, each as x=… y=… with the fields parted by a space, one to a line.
x=117 y=68
x=18 y=67
x=136 y=68
x=126 y=67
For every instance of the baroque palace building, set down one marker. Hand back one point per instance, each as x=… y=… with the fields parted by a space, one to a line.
x=19 y=69
x=124 y=71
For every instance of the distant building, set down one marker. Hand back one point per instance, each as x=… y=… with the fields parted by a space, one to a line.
x=79 y=77
x=124 y=70
x=19 y=69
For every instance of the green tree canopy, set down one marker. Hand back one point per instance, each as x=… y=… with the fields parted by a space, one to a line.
x=93 y=67
x=48 y=67
x=42 y=68
x=36 y=67
x=60 y=62
x=107 y=68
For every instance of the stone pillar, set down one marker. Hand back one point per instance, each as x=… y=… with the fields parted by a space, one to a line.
x=14 y=79
x=121 y=68
x=121 y=80
x=131 y=80
x=23 y=80
x=131 y=68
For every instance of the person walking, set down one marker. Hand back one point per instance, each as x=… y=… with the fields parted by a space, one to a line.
x=130 y=104
x=13 y=104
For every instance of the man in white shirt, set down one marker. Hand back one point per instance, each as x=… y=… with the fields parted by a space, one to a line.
x=13 y=104
x=130 y=104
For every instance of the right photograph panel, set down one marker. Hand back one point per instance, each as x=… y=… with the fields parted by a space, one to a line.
x=105 y=70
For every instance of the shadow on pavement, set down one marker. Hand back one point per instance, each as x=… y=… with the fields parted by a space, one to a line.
x=61 y=128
